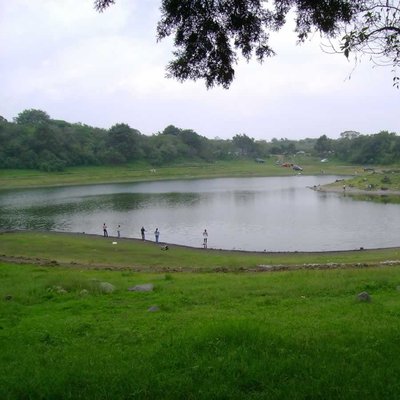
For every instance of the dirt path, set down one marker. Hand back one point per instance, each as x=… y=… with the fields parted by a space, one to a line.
x=258 y=268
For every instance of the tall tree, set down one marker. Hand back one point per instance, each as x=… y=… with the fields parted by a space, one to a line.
x=32 y=117
x=244 y=144
x=323 y=145
x=171 y=130
x=349 y=135
x=124 y=140
x=193 y=141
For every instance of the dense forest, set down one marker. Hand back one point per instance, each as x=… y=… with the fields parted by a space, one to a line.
x=35 y=141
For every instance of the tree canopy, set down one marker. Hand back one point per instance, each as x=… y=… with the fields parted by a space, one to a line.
x=210 y=35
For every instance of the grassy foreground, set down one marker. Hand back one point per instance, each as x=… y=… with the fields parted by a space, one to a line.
x=284 y=335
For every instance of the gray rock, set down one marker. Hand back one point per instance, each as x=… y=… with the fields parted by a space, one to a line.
x=147 y=287
x=364 y=296
x=153 y=309
x=106 y=287
x=84 y=292
x=265 y=267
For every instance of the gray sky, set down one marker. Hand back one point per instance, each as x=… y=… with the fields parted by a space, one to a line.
x=63 y=57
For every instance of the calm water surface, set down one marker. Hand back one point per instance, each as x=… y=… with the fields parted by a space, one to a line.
x=272 y=214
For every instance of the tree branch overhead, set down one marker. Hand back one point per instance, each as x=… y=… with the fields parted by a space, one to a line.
x=210 y=35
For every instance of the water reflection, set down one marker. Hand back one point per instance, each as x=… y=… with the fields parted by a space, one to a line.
x=272 y=214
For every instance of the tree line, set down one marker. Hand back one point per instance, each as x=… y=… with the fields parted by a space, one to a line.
x=33 y=140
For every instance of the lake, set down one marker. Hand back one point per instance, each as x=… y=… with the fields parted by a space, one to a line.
x=261 y=214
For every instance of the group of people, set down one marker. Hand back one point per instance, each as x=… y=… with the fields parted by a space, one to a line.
x=156 y=234
x=105 y=231
x=142 y=232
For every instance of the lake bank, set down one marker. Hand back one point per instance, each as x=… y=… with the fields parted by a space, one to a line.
x=334 y=188
x=376 y=182
x=140 y=172
x=96 y=252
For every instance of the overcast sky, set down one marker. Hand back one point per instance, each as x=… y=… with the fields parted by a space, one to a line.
x=63 y=57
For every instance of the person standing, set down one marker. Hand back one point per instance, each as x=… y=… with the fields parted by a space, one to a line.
x=157 y=234
x=119 y=231
x=105 y=233
x=205 y=238
x=142 y=231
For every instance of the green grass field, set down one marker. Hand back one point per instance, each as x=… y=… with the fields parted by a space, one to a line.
x=296 y=334
x=282 y=335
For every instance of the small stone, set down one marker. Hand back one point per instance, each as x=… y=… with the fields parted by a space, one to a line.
x=106 y=287
x=84 y=292
x=364 y=296
x=147 y=287
x=265 y=267
x=153 y=309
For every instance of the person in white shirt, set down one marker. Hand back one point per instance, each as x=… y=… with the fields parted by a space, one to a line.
x=205 y=237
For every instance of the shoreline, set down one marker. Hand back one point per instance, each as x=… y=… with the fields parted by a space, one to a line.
x=94 y=252
x=355 y=191
x=209 y=249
